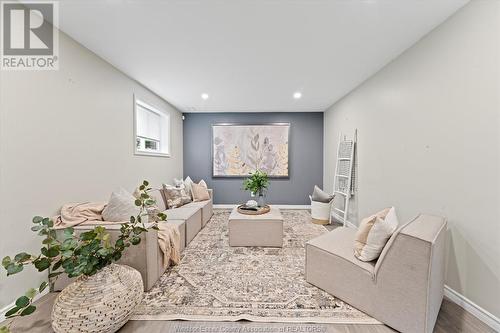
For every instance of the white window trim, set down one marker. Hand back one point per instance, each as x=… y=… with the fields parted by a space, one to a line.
x=162 y=114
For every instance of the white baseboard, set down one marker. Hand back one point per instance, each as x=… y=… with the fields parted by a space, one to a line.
x=224 y=206
x=6 y=308
x=471 y=307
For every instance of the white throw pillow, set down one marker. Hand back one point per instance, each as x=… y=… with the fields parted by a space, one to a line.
x=178 y=182
x=120 y=207
x=202 y=183
x=373 y=233
x=188 y=183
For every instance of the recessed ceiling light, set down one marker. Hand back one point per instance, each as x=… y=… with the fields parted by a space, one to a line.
x=204 y=96
x=297 y=95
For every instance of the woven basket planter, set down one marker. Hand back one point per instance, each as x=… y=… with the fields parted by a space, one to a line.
x=101 y=303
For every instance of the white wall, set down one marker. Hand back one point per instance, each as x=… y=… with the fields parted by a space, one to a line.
x=429 y=141
x=67 y=136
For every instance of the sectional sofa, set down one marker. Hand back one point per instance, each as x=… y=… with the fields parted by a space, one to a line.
x=147 y=257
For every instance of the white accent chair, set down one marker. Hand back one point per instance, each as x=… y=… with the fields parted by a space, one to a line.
x=403 y=288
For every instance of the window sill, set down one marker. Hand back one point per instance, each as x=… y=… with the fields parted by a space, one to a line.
x=146 y=153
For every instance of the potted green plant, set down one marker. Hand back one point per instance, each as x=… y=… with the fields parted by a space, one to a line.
x=89 y=257
x=257 y=184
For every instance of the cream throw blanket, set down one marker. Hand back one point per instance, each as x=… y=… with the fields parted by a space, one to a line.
x=169 y=240
x=74 y=214
x=90 y=213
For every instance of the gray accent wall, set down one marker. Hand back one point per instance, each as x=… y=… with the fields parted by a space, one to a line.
x=305 y=155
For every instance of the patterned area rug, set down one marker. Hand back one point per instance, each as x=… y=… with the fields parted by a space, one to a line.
x=216 y=282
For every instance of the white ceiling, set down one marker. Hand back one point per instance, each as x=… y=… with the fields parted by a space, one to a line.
x=251 y=55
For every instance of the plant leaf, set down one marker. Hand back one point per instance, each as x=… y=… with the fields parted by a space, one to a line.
x=37 y=219
x=22 y=302
x=36 y=227
x=56 y=266
x=29 y=310
x=4 y=329
x=53 y=252
x=51 y=275
x=6 y=261
x=30 y=293
x=89 y=235
x=12 y=311
x=68 y=232
x=13 y=268
x=42 y=287
x=42 y=264
x=67 y=253
x=23 y=256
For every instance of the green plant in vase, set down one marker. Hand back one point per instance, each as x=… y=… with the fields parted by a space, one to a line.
x=75 y=255
x=257 y=184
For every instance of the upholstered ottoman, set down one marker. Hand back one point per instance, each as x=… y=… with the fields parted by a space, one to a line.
x=256 y=230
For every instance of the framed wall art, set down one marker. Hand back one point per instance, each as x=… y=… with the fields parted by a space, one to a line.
x=239 y=149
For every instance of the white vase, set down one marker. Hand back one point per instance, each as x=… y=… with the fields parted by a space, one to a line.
x=101 y=303
x=261 y=199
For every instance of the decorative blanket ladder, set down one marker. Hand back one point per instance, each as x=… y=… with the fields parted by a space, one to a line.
x=343 y=179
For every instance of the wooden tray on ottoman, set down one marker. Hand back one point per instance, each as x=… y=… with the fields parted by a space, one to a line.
x=260 y=211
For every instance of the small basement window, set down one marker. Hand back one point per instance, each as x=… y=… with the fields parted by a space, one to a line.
x=152 y=130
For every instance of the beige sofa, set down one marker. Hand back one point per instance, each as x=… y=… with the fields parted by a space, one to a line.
x=147 y=257
x=403 y=288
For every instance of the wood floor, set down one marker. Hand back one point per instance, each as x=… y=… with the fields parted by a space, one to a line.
x=452 y=318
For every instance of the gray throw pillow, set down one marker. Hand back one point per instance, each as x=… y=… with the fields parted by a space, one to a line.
x=321 y=196
x=120 y=207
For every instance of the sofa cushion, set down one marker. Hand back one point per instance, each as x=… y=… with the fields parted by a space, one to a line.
x=197 y=204
x=339 y=243
x=182 y=213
